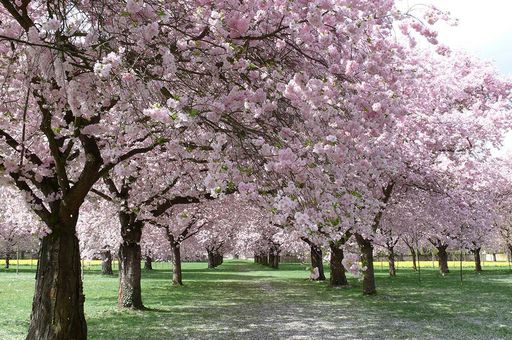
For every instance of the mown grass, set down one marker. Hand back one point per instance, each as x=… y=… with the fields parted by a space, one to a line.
x=244 y=300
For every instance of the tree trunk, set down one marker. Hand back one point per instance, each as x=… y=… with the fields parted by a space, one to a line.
x=58 y=305
x=413 y=254
x=7 y=260
x=366 y=248
x=130 y=295
x=442 y=256
x=271 y=259
x=176 y=264
x=478 y=263
x=338 y=276
x=391 y=261
x=148 y=263
x=264 y=259
x=211 y=259
x=106 y=263
x=275 y=261
x=317 y=261
x=274 y=256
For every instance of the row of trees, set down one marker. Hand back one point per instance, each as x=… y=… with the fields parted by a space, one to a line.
x=328 y=123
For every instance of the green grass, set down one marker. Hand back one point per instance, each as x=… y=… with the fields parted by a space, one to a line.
x=243 y=300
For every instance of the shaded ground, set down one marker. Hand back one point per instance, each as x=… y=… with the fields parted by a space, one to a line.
x=241 y=300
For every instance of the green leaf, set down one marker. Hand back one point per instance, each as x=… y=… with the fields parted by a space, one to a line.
x=191 y=111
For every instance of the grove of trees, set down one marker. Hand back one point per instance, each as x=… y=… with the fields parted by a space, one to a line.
x=144 y=130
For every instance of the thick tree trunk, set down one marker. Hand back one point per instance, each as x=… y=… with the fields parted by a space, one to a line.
x=211 y=259
x=148 y=263
x=338 y=276
x=366 y=248
x=317 y=261
x=58 y=306
x=176 y=265
x=391 y=261
x=130 y=295
x=442 y=256
x=106 y=263
x=7 y=260
x=478 y=262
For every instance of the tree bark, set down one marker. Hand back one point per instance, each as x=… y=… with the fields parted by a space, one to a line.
x=58 y=305
x=317 y=261
x=275 y=261
x=264 y=259
x=130 y=295
x=176 y=264
x=211 y=259
x=413 y=254
x=478 y=262
x=442 y=256
x=7 y=260
x=148 y=263
x=366 y=248
x=106 y=263
x=391 y=261
x=338 y=276
x=271 y=259
x=274 y=256
x=219 y=259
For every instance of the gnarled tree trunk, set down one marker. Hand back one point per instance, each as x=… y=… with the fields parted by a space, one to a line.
x=478 y=262
x=366 y=248
x=58 y=306
x=130 y=295
x=317 y=261
x=442 y=256
x=106 y=263
x=338 y=276
x=148 y=263
x=176 y=264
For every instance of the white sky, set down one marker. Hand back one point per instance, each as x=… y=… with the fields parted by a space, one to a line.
x=485 y=28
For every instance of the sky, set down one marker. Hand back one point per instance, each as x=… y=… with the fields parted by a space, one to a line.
x=484 y=29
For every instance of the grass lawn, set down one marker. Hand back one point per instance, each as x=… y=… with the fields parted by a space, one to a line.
x=243 y=300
